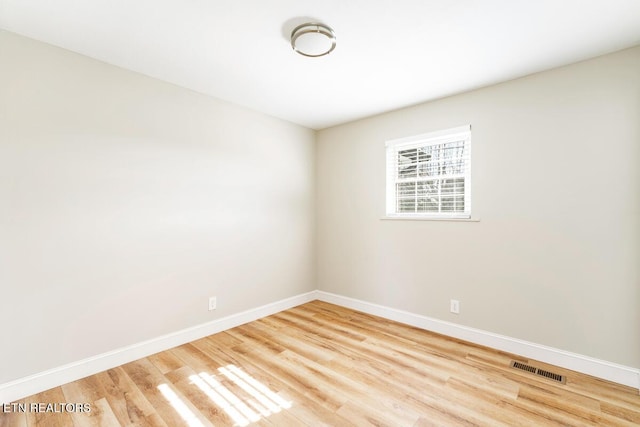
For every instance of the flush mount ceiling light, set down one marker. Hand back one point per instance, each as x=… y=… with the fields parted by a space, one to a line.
x=313 y=39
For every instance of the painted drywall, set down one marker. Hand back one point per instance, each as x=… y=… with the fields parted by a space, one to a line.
x=554 y=256
x=126 y=202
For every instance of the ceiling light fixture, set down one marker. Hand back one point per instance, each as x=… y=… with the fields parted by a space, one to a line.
x=313 y=39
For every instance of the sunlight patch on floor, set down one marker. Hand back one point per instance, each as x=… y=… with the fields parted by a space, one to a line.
x=258 y=401
x=222 y=397
x=181 y=408
x=254 y=387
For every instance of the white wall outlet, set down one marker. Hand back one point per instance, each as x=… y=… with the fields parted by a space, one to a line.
x=455 y=306
x=212 y=303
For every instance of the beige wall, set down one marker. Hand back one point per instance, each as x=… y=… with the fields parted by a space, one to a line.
x=126 y=202
x=556 y=185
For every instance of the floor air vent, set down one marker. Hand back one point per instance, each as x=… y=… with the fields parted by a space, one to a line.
x=537 y=371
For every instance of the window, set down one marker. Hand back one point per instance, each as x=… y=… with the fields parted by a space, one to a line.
x=428 y=176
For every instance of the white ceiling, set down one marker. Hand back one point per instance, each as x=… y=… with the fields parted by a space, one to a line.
x=390 y=53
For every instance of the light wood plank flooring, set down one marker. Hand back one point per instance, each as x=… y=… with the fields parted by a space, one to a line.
x=320 y=364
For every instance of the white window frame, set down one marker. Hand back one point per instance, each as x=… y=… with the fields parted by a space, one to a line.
x=393 y=147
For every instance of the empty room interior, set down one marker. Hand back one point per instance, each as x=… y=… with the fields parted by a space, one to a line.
x=290 y=213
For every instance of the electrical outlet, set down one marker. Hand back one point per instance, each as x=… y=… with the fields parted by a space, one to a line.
x=212 y=303
x=455 y=306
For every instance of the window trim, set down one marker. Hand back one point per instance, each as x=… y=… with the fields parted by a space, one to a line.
x=431 y=138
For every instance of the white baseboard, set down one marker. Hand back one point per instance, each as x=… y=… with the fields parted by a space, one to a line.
x=598 y=368
x=27 y=386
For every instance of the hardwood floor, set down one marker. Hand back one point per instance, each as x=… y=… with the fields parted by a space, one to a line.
x=320 y=364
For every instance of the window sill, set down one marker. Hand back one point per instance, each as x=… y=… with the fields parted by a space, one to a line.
x=417 y=218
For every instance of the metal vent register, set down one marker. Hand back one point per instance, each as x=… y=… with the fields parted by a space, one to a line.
x=537 y=371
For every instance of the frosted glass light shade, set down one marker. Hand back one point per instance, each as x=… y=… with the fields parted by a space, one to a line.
x=313 y=39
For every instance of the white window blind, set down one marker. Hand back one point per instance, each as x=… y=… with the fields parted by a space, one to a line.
x=428 y=176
